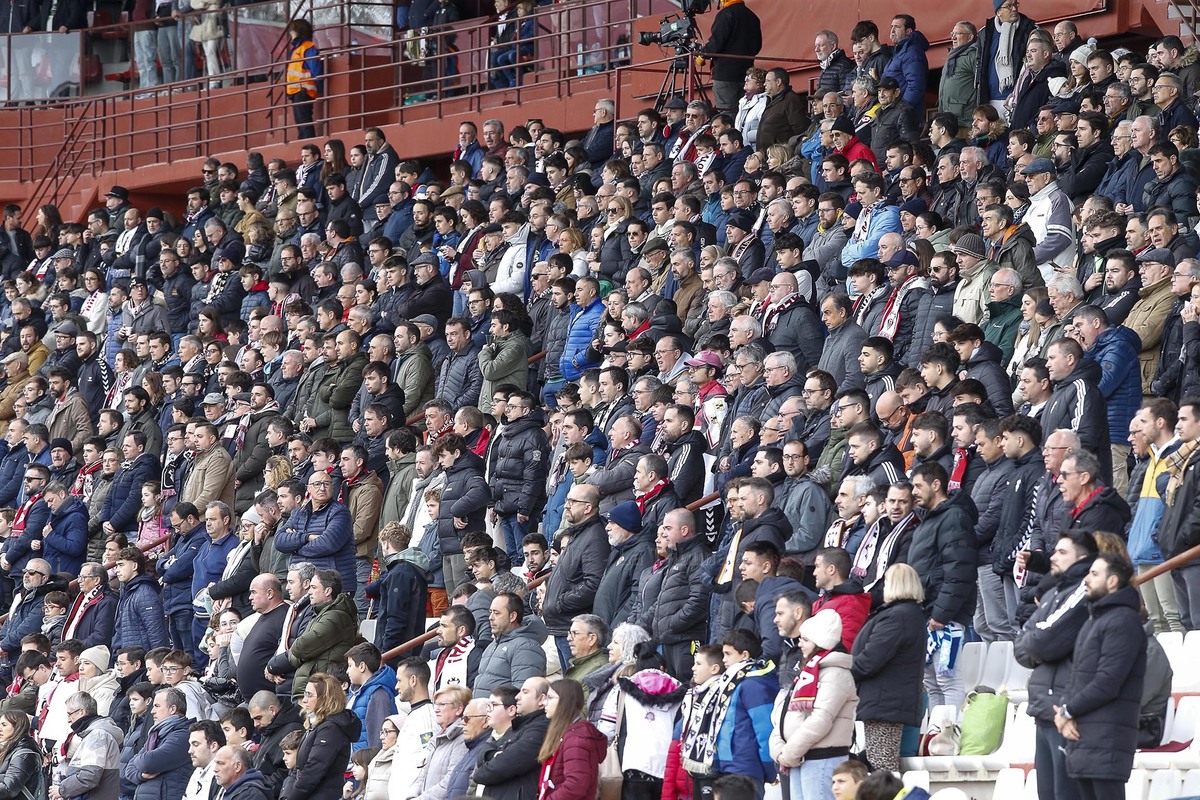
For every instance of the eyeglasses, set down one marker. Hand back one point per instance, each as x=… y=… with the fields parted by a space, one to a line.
x=170 y=670
x=208 y=171
x=320 y=484
x=444 y=705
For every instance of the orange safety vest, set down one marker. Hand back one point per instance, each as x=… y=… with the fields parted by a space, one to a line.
x=298 y=77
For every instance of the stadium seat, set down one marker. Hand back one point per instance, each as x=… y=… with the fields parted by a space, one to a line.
x=916 y=777
x=970 y=663
x=1172 y=644
x=1165 y=784
x=1031 y=792
x=1187 y=677
x=1169 y=722
x=939 y=717
x=996 y=664
x=1138 y=785
x=1191 y=783
x=1009 y=783
x=1183 y=732
x=1017 y=683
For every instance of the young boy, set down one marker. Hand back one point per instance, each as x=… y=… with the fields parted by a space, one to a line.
x=402 y=589
x=846 y=778
x=290 y=746
x=743 y=734
x=238 y=727
x=698 y=712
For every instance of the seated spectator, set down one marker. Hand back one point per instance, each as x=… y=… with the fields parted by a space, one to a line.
x=92 y=770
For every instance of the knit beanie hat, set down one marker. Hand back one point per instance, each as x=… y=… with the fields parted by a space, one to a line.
x=824 y=629
x=97 y=655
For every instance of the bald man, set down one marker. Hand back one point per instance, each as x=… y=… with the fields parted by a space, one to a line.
x=266 y=598
x=679 y=618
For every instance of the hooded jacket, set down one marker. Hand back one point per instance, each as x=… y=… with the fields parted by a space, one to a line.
x=851 y=603
x=1104 y=511
x=465 y=495
x=680 y=613
x=332 y=631
x=1104 y=692
x=986 y=365
x=1115 y=350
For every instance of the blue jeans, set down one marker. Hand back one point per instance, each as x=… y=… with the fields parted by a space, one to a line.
x=200 y=660
x=181 y=631
x=168 y=54
x=564 y=652
x=813 y=780
x=514 y=532
x=145 y=54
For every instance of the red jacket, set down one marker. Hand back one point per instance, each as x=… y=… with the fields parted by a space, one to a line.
x=855 y=150
x=574 y=771
x=851 y=603
x=677 y=784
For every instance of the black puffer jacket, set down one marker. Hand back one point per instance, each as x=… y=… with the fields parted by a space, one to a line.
x=615 y=255
x=681 y=613
x=657 y=508
x=889 y=660
x=989 y=493
x=571 y=587
x=556 y=340
x=1047 y=642
x=321 y=759
x=620 y=579
x=459 y=379
x=985 y=366
x=943 y=554
x=799 y=332
x=778 y=395
x=508 y=767
x=520 y=461
x=20 y=768
x=465 y=495
x=1105 y=692
x=932 y=306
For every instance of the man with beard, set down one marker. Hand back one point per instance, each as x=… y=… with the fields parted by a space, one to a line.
x=762 y=523
x=803 y=500
x=686 y=449
x=1046 y=645
x=69 y=418
x=252 y=448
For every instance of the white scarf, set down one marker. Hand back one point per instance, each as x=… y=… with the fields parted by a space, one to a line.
x=1005 y=73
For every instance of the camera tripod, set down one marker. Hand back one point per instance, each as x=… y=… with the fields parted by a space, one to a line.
x=681 y=76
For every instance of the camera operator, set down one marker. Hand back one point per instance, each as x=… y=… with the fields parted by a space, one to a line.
x=735 y=40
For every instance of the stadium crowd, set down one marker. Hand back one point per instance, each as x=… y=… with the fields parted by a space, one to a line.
x=702 y=436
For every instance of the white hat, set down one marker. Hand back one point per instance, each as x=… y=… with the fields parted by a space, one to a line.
x=97 y=655
x=824 y=629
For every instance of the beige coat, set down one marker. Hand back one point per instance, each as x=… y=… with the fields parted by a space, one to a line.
x=211 y=479
x=364 y=503
x=70 y=420
x=829 y=724
x=971 y=296
x=1146 y=319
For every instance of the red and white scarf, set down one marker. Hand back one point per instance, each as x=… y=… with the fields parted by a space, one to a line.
x=642 y=499
x=804 y=690
x=771 y=315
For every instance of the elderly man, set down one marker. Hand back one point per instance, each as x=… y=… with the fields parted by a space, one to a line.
x=1148 y=316
x=1049 y=217
x=588 y=640
x=1002 y=318
x=234 y=773
x=1091 y=505
x=93 y=770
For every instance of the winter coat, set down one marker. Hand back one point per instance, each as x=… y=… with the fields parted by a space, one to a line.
x=521 y=457
x=1047 y=642
x=889 y=660
x=958 y=92
x=851 y=603
x=465 y=495
x=334 y=547
x=574 y=772
x=614 y=594
x=943 y=554
x=20 y=768
x=322 y=758
x=989 y=493
x=324 y=642
x=615 y=480
x=1105 y=511
x=826 y=730
x=1001 y=325
x=1105 y=691
x=167 y=760
x=503 y=361
x=1115 y=350
x=839 y=354
x=784 y=117
x=211 y=479
x=1178 y=192
x=571 y=587
x=125 y=498
x=66 y=546
x=513 y=657
x=893 y=123
x=94 y=769
x=986 y=366
x=910 y=68
x=449 y=749
x=96 y=625
x=1147 y=319
x=1172 y=379
x=743 y=742
x=176 y=567
x=806 y=505
x=252 y=785
x=459 y=378
x=508 y=767
x=1078 y=405
x=26 y=616
x=140 y=620
x=401 y=590
x=581 y=328
x=799 y=332
x=680 y=613
x=933 y=304
x=251 y=460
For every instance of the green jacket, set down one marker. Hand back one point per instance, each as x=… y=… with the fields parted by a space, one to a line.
x=503 y=361
x=399 y=488
x=334 y=396
x=1000 y=327
x=333 y=631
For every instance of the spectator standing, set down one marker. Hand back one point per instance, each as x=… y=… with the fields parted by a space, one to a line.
x=572 y=585
x=520 y=462
x=508 y=765
x=735 y=39
x=1098 y=713
x=320 y=532
x=93 y=769
x=163 y=766
x=140 y=621
x=679 y=618
x=304 y=73
x=515 y=652
x=330 y=730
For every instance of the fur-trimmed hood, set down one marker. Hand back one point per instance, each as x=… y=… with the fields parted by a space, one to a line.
x=651 y=687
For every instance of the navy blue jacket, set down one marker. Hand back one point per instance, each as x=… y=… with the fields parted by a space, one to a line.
x=333 y=549
x=1115 y=350
x=66 y=547
x=125 y=498
x=96 y=627
x=167 y=760
x=140 y=621
x=18 y=548
x=10 y=474
x=401 y=590
x=26 y=617
x=209 y=562
x=176 y=567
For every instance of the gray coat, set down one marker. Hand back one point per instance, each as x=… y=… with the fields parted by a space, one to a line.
x=94 y=768
x=840 y=355
x=512 y=658
x=459 y=379
x=806 y=505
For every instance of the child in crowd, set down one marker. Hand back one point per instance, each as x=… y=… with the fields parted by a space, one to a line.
x=846 y=778
x=431 y=546
x=359 y=761
x=238 y=727
x=150 y=519
x=55 y=615
x=290 y=747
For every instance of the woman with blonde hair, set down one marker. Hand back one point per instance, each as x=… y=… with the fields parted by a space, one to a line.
x=614 y=253
x=573 y=749
x=331 y=729
x=751 y=106
x=278 y=470
x=571 y=242
x=888 y=665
